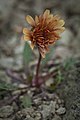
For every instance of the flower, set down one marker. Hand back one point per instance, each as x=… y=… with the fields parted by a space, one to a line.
x=45 y=31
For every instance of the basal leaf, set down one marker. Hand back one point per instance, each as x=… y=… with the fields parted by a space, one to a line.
x=27 y=53
x=26 y=101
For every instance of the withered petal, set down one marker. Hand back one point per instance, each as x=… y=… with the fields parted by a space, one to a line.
x=36 y=19
x=59 y=30
x=51 y=42
x=40 y=19
x=46 y=48
x=42 y=52
x=49 y=18
x=56 y=17
x=30 y=20
x=27 y=37
x=46 y=13
x=55 y=34
x=54 y=21
x=32 y=45
x=60 y=23
x=26 y=31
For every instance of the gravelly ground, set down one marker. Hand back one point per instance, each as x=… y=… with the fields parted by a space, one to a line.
x=45 y=105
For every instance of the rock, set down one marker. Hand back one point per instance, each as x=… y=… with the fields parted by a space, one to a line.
x=37 y=101
x=29 y=114
x=59 y=101
x=38 y=116
x=56 y=117
x=57 y=106
x=24 y=112
x=48 y=109
x=49 y=82
x=6 y=111
x=53 y=106
x=15 y=107
x=61 y=111
x=12 y=118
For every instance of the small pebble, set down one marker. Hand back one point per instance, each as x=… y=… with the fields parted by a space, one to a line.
x=6 y=111
x=61 y=111
x=53 y=106
x=28 y=116
x=38 y=116
x=57 y=106
x=37 y=101
x=59 y=101
x=56 y=117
